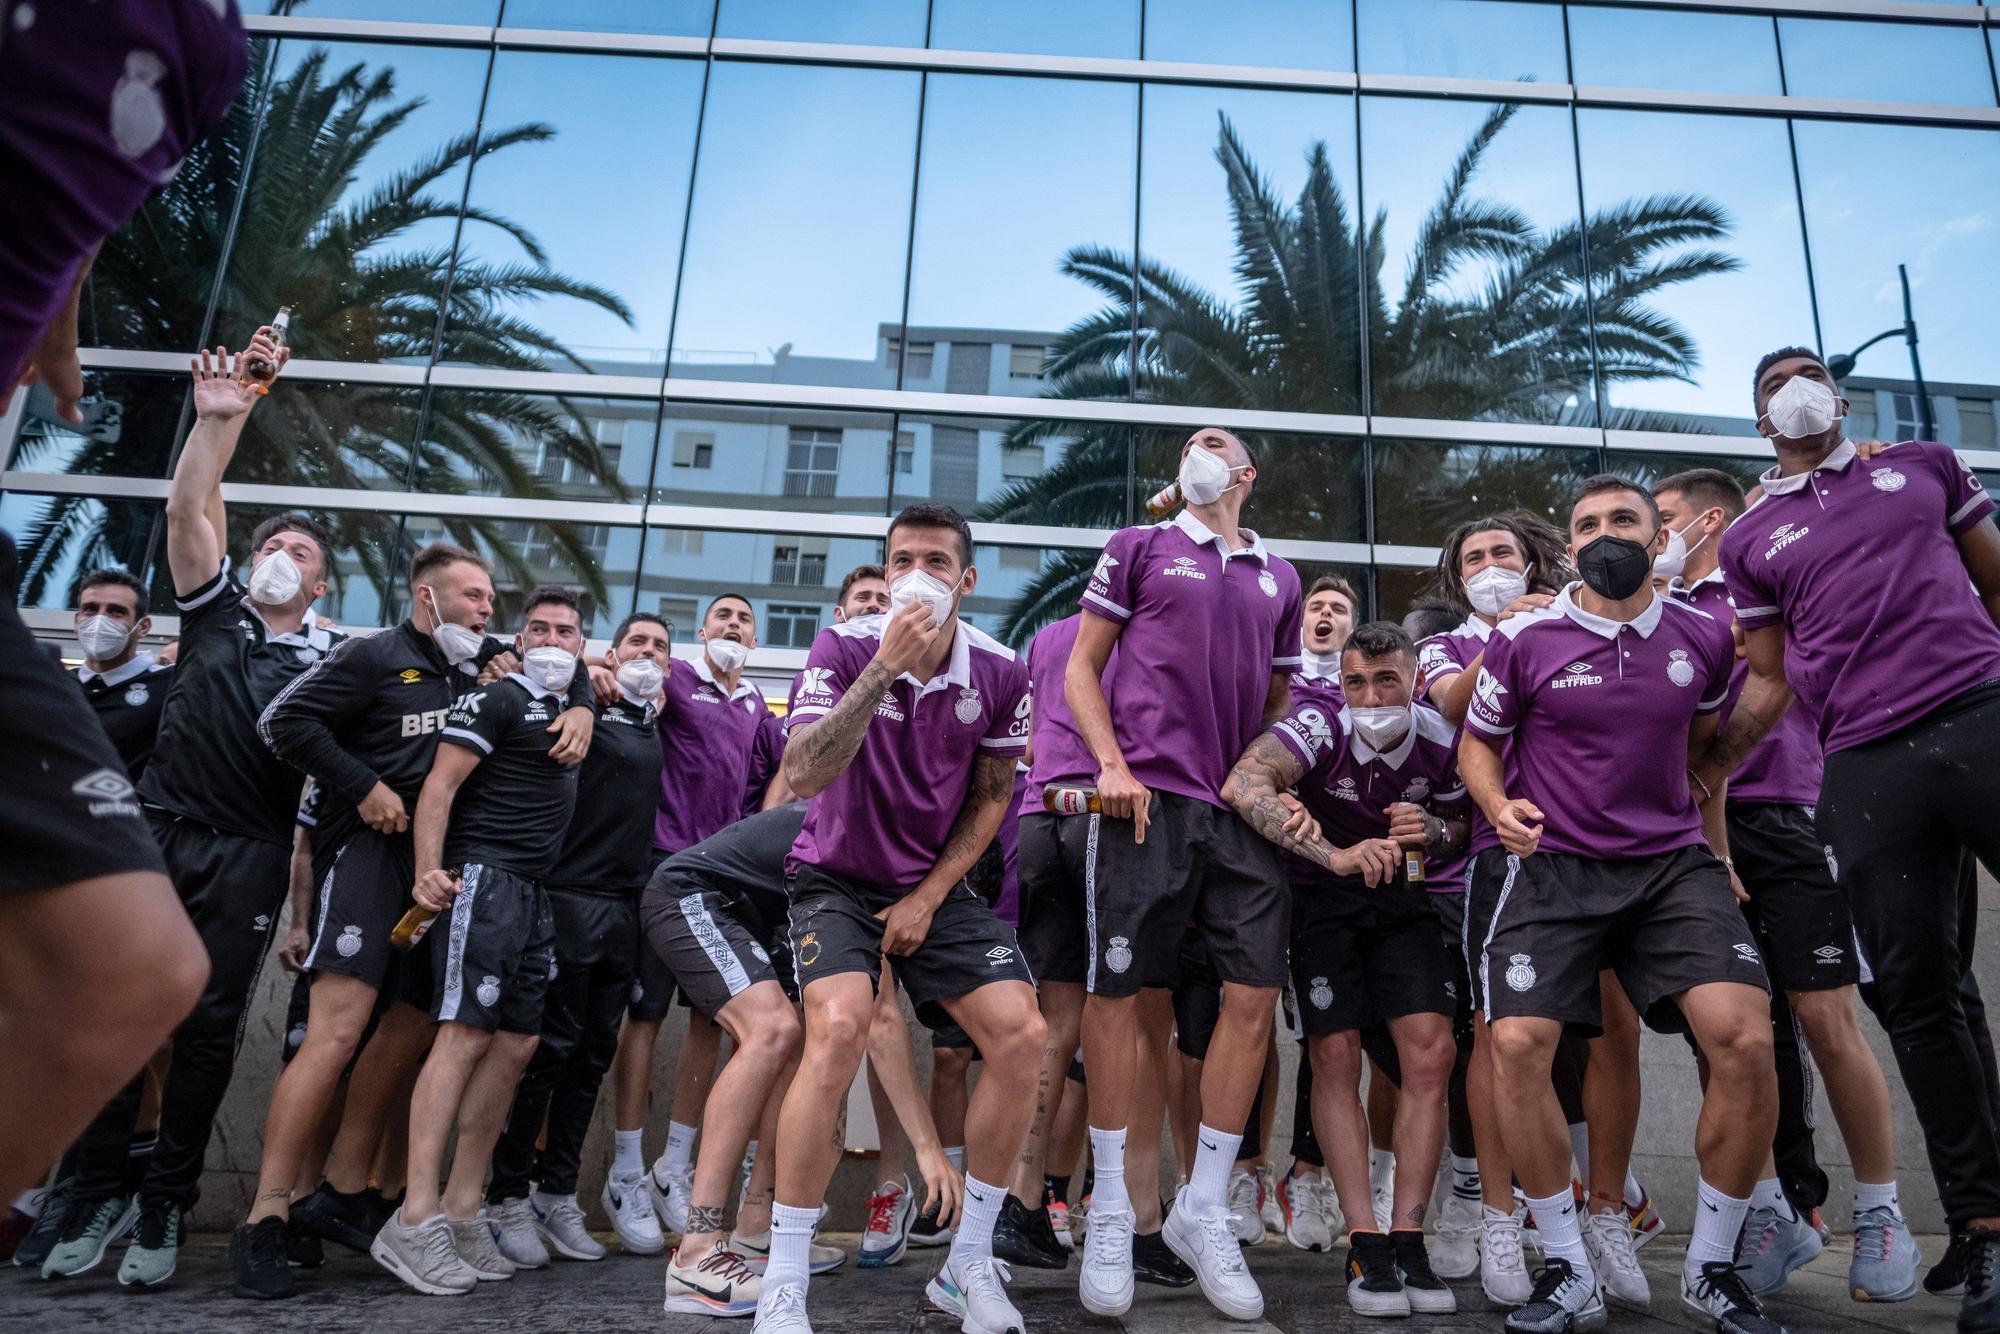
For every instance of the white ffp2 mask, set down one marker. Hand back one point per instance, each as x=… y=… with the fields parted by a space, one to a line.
x=1802 y=408
x=916 y=586
x=1492 y=589
x=276 y=580
x=549 y=667
x=1380 y=728
x=1204 y=476
x=641 y=676
x=102 y=637
x=726 y=654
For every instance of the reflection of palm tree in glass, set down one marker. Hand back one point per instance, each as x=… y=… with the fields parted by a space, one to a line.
x=1495 y=322
x=354 y=298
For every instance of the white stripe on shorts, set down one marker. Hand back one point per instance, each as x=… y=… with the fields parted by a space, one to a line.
x=461 y=927
x=1492 y=926
x=714 y=944
x=325 y=895
x=1090 y=904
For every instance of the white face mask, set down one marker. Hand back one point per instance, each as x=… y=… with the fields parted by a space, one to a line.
x=276 y=580
x=726 y=654
x=641 y=677
x=1204 y=476
x=916 y=586
x=1324 y=666
x=1803 y=408
x=1493 y=588
x=103 y=638
x=1669 y=563
x=549 y=667
x=1380 y=729
x=458 y=643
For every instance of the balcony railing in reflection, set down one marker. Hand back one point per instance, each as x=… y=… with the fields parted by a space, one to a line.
x=813 y=485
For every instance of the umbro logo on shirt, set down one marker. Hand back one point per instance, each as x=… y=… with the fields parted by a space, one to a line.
x=1344 y=790
x=1826 y=954
x=998 y=955
x=1783 y=536
x=1184 y=567
x=107 y=792
x=1576 y=674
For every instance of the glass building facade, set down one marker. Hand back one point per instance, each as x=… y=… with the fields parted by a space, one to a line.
x=660 y=298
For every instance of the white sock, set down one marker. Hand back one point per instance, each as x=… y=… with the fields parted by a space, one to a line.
x=1214 y=1160
x=628 y=1155
x=1716 y=1225
x=1579 y=1144
x=1635 y=1194
x=1107 y=1165
x=544 y=1201
x=1869 y=1196
x=973 y=1239
x=680 y=1148
x=791 y=1245
x=956 y=1157
x=1562 y=1231
x=1768 y=1194
x=1465 y=1177
x=1381 y=1169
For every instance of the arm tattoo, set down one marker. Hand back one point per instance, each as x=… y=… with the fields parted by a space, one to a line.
x=703 y=1219
x=821 y=752
x=992 y=785
x=1266 y=769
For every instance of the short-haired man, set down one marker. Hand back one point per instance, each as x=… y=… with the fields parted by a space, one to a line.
x=1329 y=620
x=489 y=828
x=1379 y=774
x=1806 y=934
x=126 y=686
x=222 y=807
x=593 y=900
x=863 y=592
x=905 y=733
x=1873 y=588
x=1609 y=862
x=1207 y=625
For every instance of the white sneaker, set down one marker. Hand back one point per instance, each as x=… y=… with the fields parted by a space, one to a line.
x=782 y=1310
x=1384 y=1200
x=472 y=1238
x=887 y=1236
x=1309 y=1209
x=1245 y=1217
x=629 y=1205
x=515 y=1234
x=1105 y=1283
x=1206 y=1243
x=1608 y=1238
x=718 y=1284
x=423 y=1256
x=561 y=1229
x=756 y=1252
x=1267 y=1199
x=1503 y=1269
x=970 y=1290
x=1455 y=1249
x=672 y=1193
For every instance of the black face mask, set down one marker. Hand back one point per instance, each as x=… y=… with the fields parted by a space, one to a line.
x=1614 y=567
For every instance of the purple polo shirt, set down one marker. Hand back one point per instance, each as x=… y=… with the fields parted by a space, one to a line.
x=1786 y=766
x=1061 y=759
x=1349 y=786
x=885 y=819
x=1440 y=656
x=1599 y=712
x=1204 y=629
x=1860 y=563
x=708 y=741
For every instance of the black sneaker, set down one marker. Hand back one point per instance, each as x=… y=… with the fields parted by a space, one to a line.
x=347 y=1219
x=1373 y=1289
x=927 y=1231
x=1563 y=1302
x=47 y=1229
x=1153 y=1261
x=1721 y=1293
x=257 y=1253
x=1027 y=1239
x=380 y=1208
x=1979 y=1309
x=1428 y=1294
x=1947 y=1277
x=302 y=1248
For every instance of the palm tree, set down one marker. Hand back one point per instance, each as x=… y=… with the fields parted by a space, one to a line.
x=1495 y=322
x=357 y=296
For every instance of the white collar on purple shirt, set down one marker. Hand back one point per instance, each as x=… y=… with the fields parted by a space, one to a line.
x=1837 y=461
x=1475 y=627
x=1199 y=533
x=958 y=668
x=140 y=662
x=743 y=687
x=1363 y=753
x=1714 y=576
x=1645 y=622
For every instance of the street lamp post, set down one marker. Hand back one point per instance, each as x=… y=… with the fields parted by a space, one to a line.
x=1842 y=366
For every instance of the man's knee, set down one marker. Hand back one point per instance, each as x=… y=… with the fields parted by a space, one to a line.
x=1024 y=1035
x=838 y=1022
x=1738 y=1047
x=1427 y=1056
x=1336 y=1059
x=1826 y=1016
x=1523 y=1047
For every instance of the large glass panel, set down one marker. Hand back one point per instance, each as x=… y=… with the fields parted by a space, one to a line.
x=1357 y=577
x=1021 y=589
x=1037 y=27
x=1697 y=263
x=537 y=446
x=547 y=276
x=757 y=458
x=1463 y=39
x=1397 y=588
x=679 y=18
x=1474 y=251
x=799 y=236
x=353 y=201
x=863 y=22
x=1311 y=488
x=1248 y=212
x=1016 y=210
x=1943 y=227
x=789 y=578
x=597 y=562
x=1056 y=473
x=1294 y=34
x=129 y=428
x=396 y=11
x=1612 y=46
x=1424 y=490
x=1885 y=62
x=1650 y=469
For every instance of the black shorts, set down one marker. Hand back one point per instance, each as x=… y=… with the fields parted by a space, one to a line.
x=834 y=930
x=1799 y=915
x=594 y=925
x=495 y=954
x=67 y=810
x=948 y=1036
x=1197 y=997
x=1364 y=956
x=652 y=980
x=1664 y=924
x=1449 y=909
x=1200 y=864
x=364 y=890
x=1057 y=855
x=714 y=947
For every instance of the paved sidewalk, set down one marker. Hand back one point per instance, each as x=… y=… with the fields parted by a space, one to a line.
x=1303 y=1295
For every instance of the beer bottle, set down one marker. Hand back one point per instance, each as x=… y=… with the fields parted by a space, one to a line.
x=261 y=372
x=1413 y=866
x=1163 y=501
x=411 y=928
x=1071 y=801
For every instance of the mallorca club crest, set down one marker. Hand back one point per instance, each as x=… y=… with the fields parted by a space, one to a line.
x=966 y=710
x=1269 y=583
x=1321 y=994
x=489 y=991
x=348 y=944
x=1888 y=479
x=1679 y=670
x=1118 y=957
x=137 y=694
x=1520 y=972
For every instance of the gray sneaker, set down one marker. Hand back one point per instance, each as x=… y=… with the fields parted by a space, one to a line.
x=423 y=1256
x=1563 y=1302
x=1774 y=1243
x=514 y=1232
x=1884 y=1267
x=472 y=1238
x=562 y=1231
x=92 y=1227
x=155 y=1249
